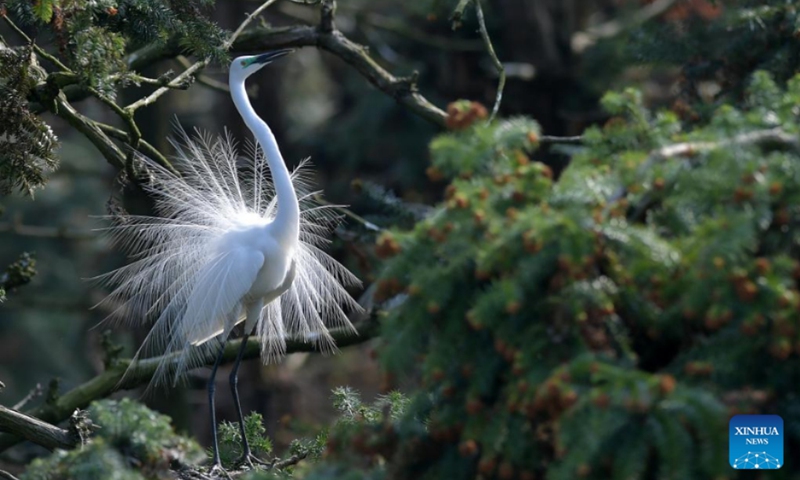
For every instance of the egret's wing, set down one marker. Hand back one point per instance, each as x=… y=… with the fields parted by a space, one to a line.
x=219 y=290
x=213 y=304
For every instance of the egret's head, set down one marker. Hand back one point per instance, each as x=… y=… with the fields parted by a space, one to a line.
x=243 y=67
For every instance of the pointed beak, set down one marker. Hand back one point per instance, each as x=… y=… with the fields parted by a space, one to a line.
x=271 y=56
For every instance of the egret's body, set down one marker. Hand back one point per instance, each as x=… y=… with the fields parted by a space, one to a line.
x=229 y=246
x=271 y=265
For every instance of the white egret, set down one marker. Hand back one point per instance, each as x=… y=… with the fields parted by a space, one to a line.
x=229 y=246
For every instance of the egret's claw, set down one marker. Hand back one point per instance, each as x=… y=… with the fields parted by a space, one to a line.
x=217 y=471
x=251 y=461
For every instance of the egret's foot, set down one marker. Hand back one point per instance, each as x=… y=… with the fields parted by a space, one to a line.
x=216 y=471
x=252 y=461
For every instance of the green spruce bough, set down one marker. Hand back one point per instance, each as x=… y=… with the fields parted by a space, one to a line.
x=604 y=324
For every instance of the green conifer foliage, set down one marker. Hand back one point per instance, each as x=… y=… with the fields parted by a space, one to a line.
x=94 y=36
x=714 y=41
x=230 y=439
x=27 y=144
x=604 y=324
x=131 y=443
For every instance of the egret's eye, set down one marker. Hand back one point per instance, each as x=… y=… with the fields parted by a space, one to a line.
x=244 y=64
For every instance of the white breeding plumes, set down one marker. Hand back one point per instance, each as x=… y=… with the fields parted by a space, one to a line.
x=188 y=274
x=235 y=240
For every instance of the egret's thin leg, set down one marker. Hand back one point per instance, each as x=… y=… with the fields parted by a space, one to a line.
x=234 y=379
x=247 y=454
x=211 y=389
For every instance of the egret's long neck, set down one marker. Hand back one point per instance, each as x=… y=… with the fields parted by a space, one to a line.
x=287 y=218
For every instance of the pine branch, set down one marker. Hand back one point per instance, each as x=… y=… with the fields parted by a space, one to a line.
x=140 y=373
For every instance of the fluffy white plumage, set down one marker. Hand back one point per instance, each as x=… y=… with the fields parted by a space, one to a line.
x=196 y=268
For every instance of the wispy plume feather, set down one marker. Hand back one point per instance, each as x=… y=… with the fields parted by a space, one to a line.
x=178 y=278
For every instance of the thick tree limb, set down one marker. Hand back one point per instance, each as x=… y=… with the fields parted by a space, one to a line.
x=35 y=430
x=106 y=383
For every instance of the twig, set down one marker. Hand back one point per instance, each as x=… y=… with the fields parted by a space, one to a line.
x=7 y=476
x=583 y=40
x=35 y=430
x=501 y=71
x=38 y=49
x=205 y=80
x=401 y=28
x=161 y=81
x=229 y=42
x=141 y=372
x=566 y=140
x=293 y=460
x=143 y=102
x=37 y=391
x=349 y=213
x=458 y=13
x=134 y=135
x=146 y=148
